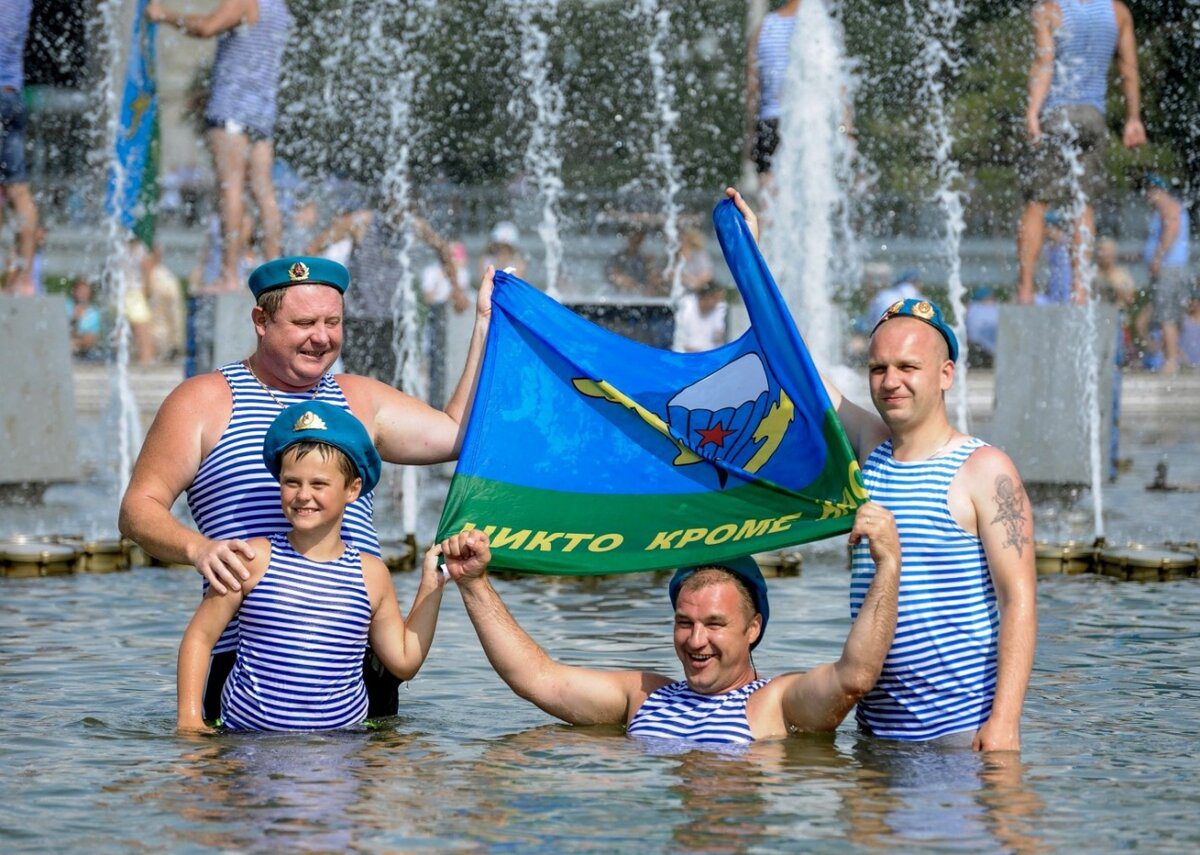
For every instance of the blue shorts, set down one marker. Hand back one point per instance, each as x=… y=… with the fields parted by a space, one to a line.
x=12 y=138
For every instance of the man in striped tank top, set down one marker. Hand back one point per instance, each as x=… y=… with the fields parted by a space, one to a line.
x=967 y=625
x=207 y=439
x=1074 y=44
x=721 y=613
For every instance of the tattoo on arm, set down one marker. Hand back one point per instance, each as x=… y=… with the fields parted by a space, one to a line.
x=1010 y=504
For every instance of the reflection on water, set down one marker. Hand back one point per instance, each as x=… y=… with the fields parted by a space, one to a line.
x=92 y=762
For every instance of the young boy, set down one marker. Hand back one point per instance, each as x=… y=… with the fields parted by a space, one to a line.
x=311 y=601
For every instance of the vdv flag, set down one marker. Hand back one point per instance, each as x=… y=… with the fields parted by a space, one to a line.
x=588 y=453
x=133 y=179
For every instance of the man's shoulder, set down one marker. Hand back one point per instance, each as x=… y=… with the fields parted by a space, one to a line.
x=985 y=464
x=204 y=394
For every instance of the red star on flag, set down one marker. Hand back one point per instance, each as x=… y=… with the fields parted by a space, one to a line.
x=716 y=435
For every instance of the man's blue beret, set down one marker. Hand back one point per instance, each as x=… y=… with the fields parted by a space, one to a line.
x=746 y=569
x=319 y=421
x=298 y=270
x=922 y=310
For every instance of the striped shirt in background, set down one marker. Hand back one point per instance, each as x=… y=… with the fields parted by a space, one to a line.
x=940 y=675
x=14 y=29
x=299 y=659
x=234 y=495
x=245 y=74
x=1083 y=48
x=774 y=44
x=676 y=712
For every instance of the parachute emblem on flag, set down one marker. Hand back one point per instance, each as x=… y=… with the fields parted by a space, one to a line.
x=726 y=416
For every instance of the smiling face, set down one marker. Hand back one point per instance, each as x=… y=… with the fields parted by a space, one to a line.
x=910 y=370
x=714 y=628
x=303 y=337
x=314 y=486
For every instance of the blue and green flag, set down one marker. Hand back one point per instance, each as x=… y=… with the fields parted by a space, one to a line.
x=587 y=453
x=133 y=179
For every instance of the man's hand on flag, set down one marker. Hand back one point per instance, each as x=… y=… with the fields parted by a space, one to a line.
x=744 y=209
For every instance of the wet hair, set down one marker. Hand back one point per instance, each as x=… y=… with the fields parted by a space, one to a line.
x=714 y=575
x=327 y=452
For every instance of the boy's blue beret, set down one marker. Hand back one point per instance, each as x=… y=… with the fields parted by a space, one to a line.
x=922 y=310
x=319 y=421
x=746 y=569
x=298 y=270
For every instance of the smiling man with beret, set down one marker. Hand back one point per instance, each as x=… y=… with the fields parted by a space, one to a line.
x=208 y=436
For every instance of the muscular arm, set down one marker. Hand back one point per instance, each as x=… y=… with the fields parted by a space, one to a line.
x=819 y=699
x=1046 y=17
x=1005 y=523
x=227 y=15
x=403 y=645
x=406 y=429
x=1134 y=133
x=191 y=418
x=575 y=695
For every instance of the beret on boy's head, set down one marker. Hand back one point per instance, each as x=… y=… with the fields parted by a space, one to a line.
x=298 y=270
x=318 y=421
x=922 y=310
x=746 y=569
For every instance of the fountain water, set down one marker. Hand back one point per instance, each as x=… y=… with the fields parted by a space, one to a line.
x=808 y=238
x=938 y=60
x=1086 y=330
x=543 y=160
x=119 y=265
x=662 y=155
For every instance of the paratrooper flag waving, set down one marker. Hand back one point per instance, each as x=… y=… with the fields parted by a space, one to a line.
x=588 y=453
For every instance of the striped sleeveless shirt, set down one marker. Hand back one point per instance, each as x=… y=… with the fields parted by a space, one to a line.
x=771 y=52
x=676 y=712
x=245 y=72
x=1084 y=45
x=299 y=658
x=234 y=495
x=939 y=677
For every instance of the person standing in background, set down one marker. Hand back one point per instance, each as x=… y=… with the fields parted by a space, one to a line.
x=240 y=116
x=766 y=71
x=1074 y=43
x=1166 y=257
x=14 y=177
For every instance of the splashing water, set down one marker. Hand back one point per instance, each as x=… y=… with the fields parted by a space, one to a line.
x=940 y=58
x=808 y=237
x=1086 y=332
x=119 y=265
x=398 y=197
x=662 y=155
x=543 y=159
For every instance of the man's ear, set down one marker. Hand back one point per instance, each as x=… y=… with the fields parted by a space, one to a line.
x=258 y=317
x=755 y=627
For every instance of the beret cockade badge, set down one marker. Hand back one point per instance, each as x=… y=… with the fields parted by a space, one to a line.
x=298 y=272
x=309 y=421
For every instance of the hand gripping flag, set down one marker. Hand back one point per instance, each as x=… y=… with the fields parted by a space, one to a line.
x=133 y=178
x=588 y=453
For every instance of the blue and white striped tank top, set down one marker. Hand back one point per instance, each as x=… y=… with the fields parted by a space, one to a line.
x=940 y=675
x=774 y=45
x=299 y=659
x=676 y=712
x=245 y=73
x=234 y=495
x=1083 y=48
